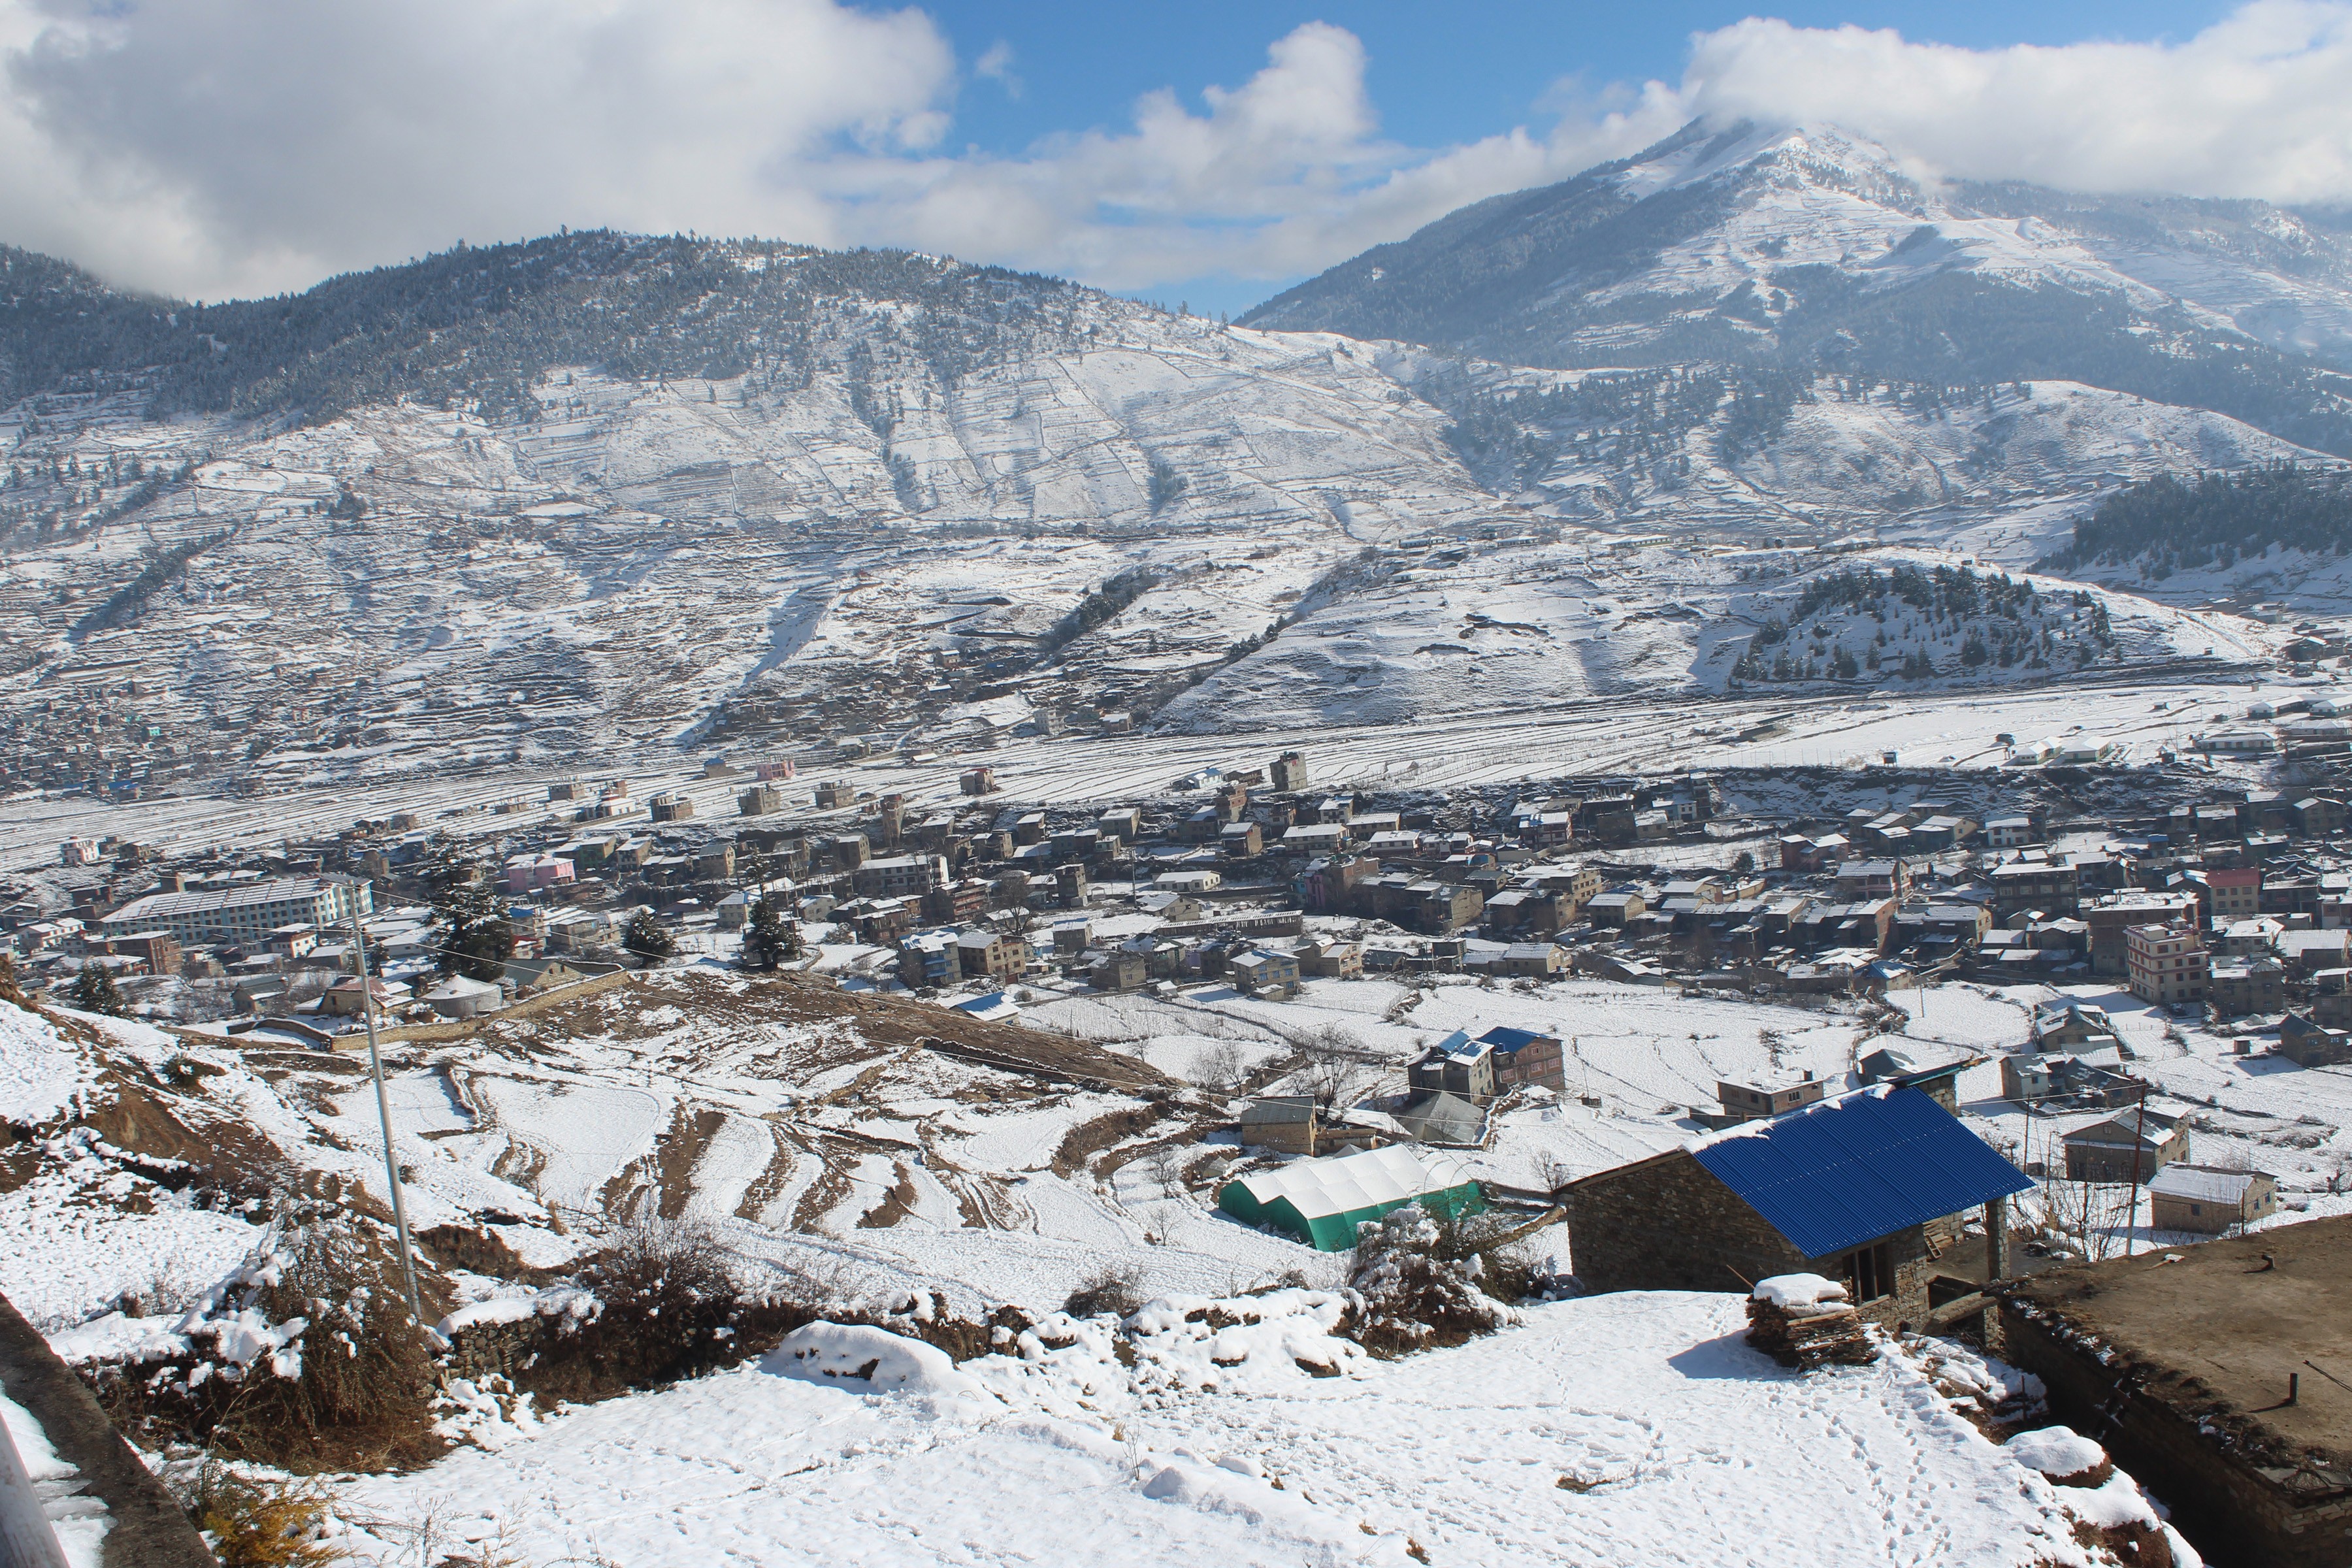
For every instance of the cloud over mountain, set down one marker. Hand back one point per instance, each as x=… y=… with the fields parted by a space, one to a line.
x=246 y=146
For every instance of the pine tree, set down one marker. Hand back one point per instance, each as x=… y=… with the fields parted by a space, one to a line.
x=770 y=939
x=94 y=991
x=647 y=937
x=475 y=939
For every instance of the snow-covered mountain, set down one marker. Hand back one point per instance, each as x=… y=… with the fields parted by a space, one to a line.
x=599 y=489
x=1812 y=247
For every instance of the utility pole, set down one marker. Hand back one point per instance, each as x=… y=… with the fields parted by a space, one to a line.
x=2139 y=1138
x=383 y=1105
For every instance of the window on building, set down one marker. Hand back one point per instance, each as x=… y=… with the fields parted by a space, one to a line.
x=1870 y=1273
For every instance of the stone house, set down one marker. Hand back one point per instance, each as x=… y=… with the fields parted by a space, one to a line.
x=2053 y=886
x=2104 y=1151
x=1527 y=911
x=1260 y=972
x=1331 y=959
x=1750 y=1102
x=1615 y=909
x=2313 y=1044
x=1531 y=960
x=2072 y=1026
x=991 y=955
x=2237 y=989
x=1455 y=1065
x=1870 y=1188
x=1284 y=1123
x=1117 y=970
x=2207 y=1199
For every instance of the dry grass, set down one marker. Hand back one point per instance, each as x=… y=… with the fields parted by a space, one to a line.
x=1089 y=1138
x=262 y=1523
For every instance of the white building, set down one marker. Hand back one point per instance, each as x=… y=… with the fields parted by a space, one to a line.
x=78 y=852
x=244 y=915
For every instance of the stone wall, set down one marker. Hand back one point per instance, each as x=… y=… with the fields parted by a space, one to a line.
x=1667 y=1224
x=2229 y=1512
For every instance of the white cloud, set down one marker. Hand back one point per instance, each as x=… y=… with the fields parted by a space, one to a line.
x=243 y=145
x=2258 y=105
x=995 y=63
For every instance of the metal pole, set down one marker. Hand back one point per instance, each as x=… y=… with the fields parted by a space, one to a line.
x=383 y=1105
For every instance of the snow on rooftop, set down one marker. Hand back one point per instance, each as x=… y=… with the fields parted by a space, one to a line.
x=2201 y=1184
x=1346 y=1181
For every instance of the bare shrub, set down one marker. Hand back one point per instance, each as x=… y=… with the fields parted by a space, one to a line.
x=362 y=1397
x=1423 y=1281
x=2084 y=1217
x=1338 y=1069
x=668 y=1306
x=345 y=1381
x=1222 y=1067
x=1116 y=1289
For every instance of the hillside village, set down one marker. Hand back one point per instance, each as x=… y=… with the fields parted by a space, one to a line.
x=1662 y=873
x=1275 y=1008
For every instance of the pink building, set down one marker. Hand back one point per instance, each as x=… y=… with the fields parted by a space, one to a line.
x=528 y=873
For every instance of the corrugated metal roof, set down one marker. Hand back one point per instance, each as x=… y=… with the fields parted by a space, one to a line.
x=1858 y=1167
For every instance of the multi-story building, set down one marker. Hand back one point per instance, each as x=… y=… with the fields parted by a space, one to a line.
x=2053 y=887
x=2167 y=963
x=2110 y=918
x=244 y=915
x=2236 y=893
x=898 y=875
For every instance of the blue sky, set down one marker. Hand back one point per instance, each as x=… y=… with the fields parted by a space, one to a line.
x=1213 y=152
x=1440 y=73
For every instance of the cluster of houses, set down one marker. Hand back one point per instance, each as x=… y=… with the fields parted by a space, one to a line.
x=283 y=946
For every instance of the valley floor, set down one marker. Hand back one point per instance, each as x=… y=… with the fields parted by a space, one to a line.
x=2140 y=711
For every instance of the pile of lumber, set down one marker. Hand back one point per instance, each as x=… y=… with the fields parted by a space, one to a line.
x=1803 y=1320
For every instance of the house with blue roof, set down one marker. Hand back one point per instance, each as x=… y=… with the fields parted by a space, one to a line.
x=1873 y=1187
x=1522 y=1056
x=1455 y=1065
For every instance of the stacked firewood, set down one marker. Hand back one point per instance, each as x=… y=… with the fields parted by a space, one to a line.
x=1803 y=1320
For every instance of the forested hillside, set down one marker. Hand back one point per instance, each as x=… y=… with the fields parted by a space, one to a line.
x=2214 y=519
x=476 y=326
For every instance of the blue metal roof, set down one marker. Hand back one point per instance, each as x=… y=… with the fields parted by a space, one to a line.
x=1503 y=1038
x=1858 y=1167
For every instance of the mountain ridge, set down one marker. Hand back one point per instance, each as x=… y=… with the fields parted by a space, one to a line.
x=1808 y=247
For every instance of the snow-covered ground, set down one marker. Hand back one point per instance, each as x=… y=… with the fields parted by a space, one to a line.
x=1635 y=1428
x=1627 y=1429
